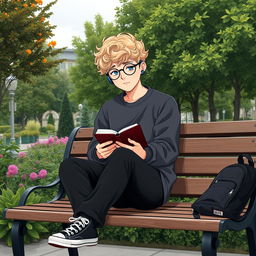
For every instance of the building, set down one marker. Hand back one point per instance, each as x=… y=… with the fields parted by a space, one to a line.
x=70 y=59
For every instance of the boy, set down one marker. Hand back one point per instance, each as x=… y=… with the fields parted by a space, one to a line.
x=117 y=174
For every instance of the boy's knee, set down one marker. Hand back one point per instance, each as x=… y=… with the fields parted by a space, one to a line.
x=123 y=153
x=65 y=166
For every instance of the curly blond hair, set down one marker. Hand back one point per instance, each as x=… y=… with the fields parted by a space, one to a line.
x=119 y=49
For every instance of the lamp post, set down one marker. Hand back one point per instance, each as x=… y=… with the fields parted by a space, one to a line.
x=223 y=114
x=80 y=107
x=11 y=84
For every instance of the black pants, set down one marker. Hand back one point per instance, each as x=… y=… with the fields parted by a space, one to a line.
x=125 y=180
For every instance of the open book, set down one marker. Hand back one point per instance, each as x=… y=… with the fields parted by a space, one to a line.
x=133 y=132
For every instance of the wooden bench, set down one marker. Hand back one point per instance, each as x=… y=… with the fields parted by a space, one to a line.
x=205 y=148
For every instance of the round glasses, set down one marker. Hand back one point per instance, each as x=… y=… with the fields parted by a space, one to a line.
x=129 y=69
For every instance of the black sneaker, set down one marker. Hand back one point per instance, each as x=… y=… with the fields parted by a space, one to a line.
x=81 y=232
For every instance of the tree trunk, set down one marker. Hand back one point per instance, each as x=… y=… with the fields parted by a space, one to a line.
x=2 y=92
x=211 y=103
x=237 y=100
x=194 y=102
x=179 y=101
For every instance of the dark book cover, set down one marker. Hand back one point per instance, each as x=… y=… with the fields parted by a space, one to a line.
x=133 y=132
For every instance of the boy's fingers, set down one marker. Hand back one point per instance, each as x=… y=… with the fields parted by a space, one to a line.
x=107 y=143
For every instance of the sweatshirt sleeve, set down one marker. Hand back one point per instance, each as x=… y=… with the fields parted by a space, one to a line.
x=100 y=122
x=163 y=150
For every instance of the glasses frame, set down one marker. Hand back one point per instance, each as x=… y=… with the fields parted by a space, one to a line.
x=122 y=69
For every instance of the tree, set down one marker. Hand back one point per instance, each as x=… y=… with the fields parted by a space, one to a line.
x=41 y=94
x=66 y=121
x=24 y=28
x=88 y=83
x=50 y=119
x=86 y=120
x=196 y=45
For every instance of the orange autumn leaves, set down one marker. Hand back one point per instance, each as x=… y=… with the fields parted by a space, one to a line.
x=44 y=60
x=52 y=44
x=39 y=2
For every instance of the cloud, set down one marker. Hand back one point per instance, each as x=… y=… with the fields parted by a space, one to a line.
x=70 y=16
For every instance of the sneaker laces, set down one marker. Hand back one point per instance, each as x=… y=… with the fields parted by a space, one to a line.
x=78 y=225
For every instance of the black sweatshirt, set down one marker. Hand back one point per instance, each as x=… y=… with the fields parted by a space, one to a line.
x=159 y=117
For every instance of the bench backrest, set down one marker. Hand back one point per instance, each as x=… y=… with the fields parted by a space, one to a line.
x=205 y=148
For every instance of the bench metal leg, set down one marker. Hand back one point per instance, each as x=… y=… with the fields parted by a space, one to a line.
x=17 y=235
x=71 y=251
x=210 y=243
x=251 y=236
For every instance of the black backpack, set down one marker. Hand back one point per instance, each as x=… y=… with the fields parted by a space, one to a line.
x=229 y=192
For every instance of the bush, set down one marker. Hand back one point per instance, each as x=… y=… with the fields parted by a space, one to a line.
x=6 y=158
x=34 y=229
x=43 y=130
x=50 y=128
x=38 y=166
x=24 y=133
x=32 y=125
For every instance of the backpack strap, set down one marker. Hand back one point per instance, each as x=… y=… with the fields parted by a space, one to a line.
x=249 y=158
x=196 y=214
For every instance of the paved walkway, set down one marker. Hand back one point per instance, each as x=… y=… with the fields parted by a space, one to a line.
x=42 y=249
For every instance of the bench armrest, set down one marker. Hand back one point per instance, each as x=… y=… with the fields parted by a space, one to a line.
x=246 y=221
x=27 y=192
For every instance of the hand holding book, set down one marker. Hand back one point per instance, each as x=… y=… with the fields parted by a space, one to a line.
x=133 y=132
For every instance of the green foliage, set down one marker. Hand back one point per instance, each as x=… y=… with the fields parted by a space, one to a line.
x=50 y=119
x=84 y=75
x=66 y=121
x=6 y=158
x=8 y=199
x=86 y=113
x=32 y=125
x=50 y=128
x=24 y=50
x=42 y=94
x=39 y=157
x=195 y=44
x=229 y=240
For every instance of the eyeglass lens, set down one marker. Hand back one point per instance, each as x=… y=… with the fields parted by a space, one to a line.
x=129 y=69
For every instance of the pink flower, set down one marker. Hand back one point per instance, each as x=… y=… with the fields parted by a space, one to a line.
x=33 y=176
x=1 y=156
x=51 y=140
x=42 y=174
x=24 y=176
x=22 y=154
x=21 y=185
x=63 y=140
x=34 y=168
x=37 y=162
x=12 y=170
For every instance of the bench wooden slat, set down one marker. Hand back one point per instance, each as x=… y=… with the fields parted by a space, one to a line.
x=206 y=128
x=58 y=205
x=186 y=222
x=219 y=128
x=127 y=212
x=196 y=145
x=202 y=165
x=218 y=145
x=190 y=186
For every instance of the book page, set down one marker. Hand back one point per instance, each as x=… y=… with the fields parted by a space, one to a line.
x=126 y=128
x=105 y=131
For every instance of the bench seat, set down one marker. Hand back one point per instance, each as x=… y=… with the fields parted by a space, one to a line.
x=169 y=216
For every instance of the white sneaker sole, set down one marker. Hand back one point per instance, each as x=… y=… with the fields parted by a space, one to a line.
x=62 y=242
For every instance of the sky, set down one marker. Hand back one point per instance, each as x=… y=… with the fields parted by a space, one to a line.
x=70 y=16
